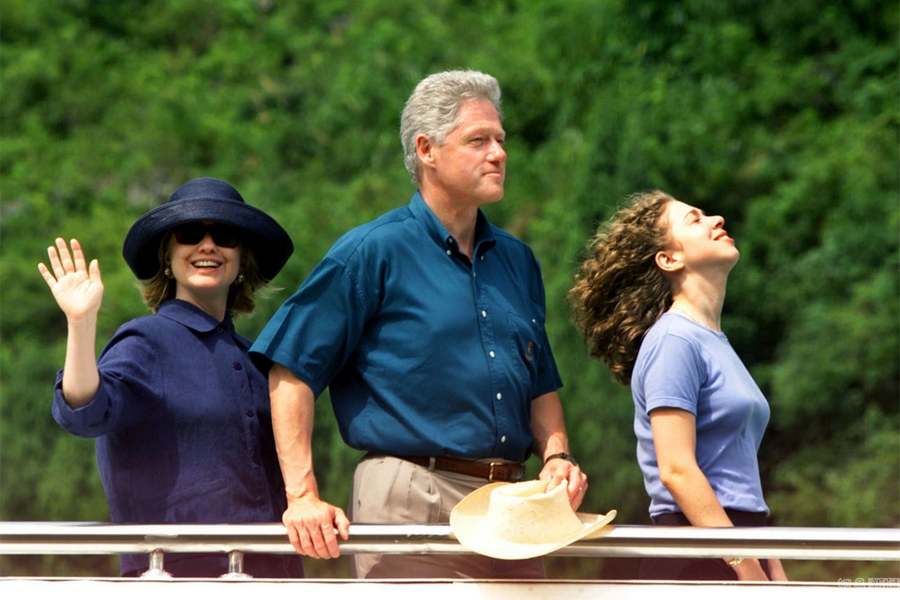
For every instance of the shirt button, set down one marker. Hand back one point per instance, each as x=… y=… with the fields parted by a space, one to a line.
x=491 y=354
x=237 y=366
x=499 y=396
x=249 y=413
x=482 y=257
x=502 y=439
x=534 y=321
x=484 y=314
x=449 y=252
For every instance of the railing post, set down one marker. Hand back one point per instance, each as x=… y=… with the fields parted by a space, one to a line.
x=155 y=569
x=236 y=566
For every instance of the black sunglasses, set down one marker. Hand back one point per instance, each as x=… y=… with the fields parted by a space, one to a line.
x=225 y=236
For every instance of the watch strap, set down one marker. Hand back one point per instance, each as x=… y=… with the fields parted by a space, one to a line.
x=563 y=456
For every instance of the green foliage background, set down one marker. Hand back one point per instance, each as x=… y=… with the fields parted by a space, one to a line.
x=782 y=116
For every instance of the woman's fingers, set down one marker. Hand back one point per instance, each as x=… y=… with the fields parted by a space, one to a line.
x=78 y=256
x=75 y=285
x=64 y=257
x=95 y=271
x=45 y=273
x=63 y=263
x=53 y=255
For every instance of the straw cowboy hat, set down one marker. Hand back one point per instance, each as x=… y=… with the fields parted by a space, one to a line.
x=207 y=199
x=521 y=520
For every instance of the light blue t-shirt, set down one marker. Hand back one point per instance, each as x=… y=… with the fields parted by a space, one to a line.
x=684 y=365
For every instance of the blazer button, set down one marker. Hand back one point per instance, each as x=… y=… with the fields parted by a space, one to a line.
x=237 y=366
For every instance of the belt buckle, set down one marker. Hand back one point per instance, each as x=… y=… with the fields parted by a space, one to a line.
x=491 y=470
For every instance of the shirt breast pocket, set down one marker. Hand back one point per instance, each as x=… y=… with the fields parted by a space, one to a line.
x=525 y=345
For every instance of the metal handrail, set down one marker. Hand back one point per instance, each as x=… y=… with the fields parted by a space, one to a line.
x=625 y=541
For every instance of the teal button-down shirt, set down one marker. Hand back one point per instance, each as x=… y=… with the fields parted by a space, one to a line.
x=425 y=352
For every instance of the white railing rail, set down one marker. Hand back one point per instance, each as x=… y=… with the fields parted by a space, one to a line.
x=795 y=543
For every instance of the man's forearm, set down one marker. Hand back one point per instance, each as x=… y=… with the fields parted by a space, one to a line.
x=549 y=430
x=548 y=425
x=293 y=410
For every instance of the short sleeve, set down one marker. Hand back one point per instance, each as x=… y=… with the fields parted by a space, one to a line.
x=130 y=384
x=317 y=329
x=673 y=375
x=548 y=378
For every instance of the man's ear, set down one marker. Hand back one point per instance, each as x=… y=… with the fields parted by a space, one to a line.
x=669 y=261
x=425 y=149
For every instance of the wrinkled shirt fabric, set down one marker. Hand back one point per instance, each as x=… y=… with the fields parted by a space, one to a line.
x=425 y=352
x=183 y=433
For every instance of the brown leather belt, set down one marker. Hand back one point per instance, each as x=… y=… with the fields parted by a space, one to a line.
x=492 y=471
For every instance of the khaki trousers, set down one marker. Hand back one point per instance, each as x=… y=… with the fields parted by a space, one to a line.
x=391 y=490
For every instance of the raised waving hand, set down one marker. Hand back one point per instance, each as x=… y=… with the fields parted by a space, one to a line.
x=76 y=286
x=78 y=291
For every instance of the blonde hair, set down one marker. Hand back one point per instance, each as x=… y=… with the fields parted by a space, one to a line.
x=161 y=287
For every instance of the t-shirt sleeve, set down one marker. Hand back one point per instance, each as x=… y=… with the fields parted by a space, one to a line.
x=673 y=375
x=130 y=384
x=317 y=329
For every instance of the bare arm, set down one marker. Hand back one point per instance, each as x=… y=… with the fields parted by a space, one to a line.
x=310 y=522
x=78 y=290
x=776 y=570
x=675 y=438
x=548 y=427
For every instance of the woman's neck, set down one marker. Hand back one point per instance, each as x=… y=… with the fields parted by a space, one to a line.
x=700 y=300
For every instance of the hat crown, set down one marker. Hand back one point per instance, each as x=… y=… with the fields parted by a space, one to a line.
x=529 y=512
x=206 y=187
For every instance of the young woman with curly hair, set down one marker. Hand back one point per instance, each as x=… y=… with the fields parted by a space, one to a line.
x=648 y=300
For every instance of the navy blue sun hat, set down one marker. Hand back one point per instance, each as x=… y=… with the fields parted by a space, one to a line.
x=207 y=199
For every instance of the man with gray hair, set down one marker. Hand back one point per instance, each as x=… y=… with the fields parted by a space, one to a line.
x=427 y=325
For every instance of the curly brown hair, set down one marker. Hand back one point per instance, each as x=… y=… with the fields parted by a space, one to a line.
x=160 y=288
x=619 y=292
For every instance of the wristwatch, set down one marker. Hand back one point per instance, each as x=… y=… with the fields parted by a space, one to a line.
x=562 y=455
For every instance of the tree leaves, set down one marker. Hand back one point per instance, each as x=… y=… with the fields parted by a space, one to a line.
x=783 y=119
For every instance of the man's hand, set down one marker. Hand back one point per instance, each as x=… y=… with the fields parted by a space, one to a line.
x=310 y=522
x=312 y=526
x=558 y=470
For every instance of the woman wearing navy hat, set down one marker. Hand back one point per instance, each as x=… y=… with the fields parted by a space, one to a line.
x=179 y=410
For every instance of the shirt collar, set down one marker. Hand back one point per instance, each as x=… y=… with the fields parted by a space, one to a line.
x=484 y=233
x=192 y=317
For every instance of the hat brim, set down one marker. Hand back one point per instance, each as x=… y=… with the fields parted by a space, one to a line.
x=269 y=242
x=468 y=517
